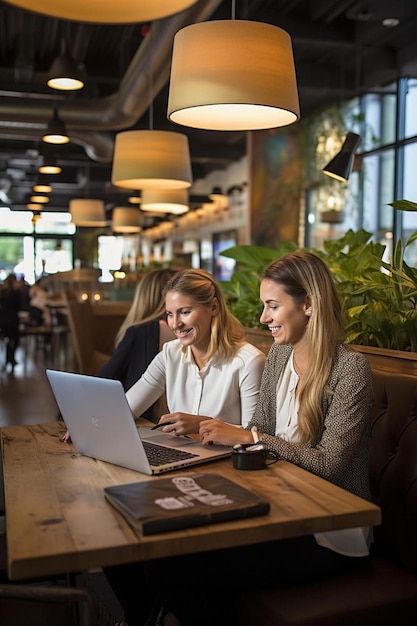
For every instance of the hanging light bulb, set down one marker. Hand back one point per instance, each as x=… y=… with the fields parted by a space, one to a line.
x=56 y=131
x=65 y=74
x=49 y=165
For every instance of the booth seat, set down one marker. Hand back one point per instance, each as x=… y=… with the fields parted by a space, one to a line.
x=387 y=593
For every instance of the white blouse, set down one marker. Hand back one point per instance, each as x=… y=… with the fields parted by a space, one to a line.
x=226 y=390
x=350 y=541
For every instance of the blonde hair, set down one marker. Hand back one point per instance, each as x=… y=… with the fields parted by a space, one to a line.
x=148 y=302
x=306 y=278
x=227 y=334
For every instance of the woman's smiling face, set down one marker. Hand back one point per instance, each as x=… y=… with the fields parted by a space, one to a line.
x=284 y=317
x=190 y=321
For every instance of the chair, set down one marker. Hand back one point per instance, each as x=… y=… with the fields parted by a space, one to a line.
x=81 y=323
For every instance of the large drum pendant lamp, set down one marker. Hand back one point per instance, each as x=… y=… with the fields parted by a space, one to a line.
x=151 y=159
x=87 y=212
x=173 y=201
x=126 y=220
x=106 y=11
x=233 y=75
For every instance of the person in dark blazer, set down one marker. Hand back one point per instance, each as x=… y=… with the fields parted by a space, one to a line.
x=142 y=334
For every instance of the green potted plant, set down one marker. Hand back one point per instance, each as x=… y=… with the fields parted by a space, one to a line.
x=379 y=298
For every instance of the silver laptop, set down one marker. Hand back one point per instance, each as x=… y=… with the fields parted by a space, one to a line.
x=101 y=424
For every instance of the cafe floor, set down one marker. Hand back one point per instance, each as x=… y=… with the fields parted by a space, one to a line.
x=26 y=398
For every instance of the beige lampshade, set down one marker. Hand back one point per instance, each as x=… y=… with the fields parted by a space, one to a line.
x=126 y=220
x=151 y=159
x=107 y=12
x=165 y=201
x=87 y=212
x=233 y=75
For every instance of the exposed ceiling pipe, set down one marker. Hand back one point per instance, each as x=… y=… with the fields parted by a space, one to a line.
x=20 y=118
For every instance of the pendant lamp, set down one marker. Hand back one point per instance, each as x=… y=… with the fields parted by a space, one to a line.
x=233 y=75
x=56 y=131
x=49 y=165
x=99 y=12
x=87 y=212
x=151 y=159
x=39 y=199
x=126 y=220
x=64 y=74
x=42 y=186
x=340 y=167
x=165 y=201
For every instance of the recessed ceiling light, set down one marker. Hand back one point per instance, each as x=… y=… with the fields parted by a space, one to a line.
x=390 y=22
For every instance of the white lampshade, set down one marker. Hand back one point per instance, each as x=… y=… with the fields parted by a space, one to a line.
x=87 y=212
x=165 y=201
x=233 y=75
x=126 y=220
x=151 y=159
x=99 y=12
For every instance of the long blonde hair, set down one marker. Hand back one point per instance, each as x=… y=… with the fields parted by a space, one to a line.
x=148 y=302
x=305 y=277
x=227 y=333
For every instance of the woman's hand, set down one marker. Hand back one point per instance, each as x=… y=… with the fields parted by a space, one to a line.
x=216 y=431
x=67 y=437
x=181 y=423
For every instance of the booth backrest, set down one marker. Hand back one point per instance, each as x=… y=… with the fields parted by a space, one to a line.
x=394 y=466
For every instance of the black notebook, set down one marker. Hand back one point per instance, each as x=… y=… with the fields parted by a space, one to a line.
x=156 y=506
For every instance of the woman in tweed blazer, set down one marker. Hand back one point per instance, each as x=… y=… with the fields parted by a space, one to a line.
x=315 y=399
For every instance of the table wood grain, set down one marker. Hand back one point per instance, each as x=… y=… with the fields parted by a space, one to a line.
x=57 y=519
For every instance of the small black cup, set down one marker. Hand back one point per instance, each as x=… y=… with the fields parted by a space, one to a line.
x=252 y=457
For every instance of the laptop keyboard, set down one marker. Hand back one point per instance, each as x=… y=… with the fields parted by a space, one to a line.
x=159 y=455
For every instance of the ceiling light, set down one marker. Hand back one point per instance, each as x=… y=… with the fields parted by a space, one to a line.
x=151 y=159
x=42 y=186
x=33 y=206
x=65 y=73
x=99 y=12
x=56 y=131
x=165 y=201
x=49 y=165
x=87 y=212
x=39 y=199
x=135 y=199
x=340 y=167
x=233 y=75
x=126 y=220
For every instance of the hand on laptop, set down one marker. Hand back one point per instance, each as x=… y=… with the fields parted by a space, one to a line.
x=181 y=423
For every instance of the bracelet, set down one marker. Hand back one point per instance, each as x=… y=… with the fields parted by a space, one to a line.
x=255 y=435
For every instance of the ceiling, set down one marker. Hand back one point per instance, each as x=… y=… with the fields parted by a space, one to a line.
x=341 y=48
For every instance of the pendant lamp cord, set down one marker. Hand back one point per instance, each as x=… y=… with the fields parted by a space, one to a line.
x=233 y=9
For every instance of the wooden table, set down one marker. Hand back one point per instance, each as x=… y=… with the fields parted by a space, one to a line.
x=57 y=519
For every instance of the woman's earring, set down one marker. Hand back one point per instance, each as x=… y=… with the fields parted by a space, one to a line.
x=308 y=312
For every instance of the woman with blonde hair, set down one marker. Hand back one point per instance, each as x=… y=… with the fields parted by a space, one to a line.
x=210 y=370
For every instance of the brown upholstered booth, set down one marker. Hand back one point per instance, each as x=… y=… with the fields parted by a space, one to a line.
x=387 y=593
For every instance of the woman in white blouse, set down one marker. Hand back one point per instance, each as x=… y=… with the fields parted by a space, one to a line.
x=210 y=370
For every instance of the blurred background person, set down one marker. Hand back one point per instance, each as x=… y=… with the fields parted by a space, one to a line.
x=10 y=305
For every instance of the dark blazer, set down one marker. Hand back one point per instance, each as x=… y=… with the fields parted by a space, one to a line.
x=133 y=355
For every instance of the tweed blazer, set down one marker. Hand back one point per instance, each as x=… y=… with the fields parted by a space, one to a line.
x=341 y=455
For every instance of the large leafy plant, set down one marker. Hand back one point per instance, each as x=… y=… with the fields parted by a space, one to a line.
x=379 y=298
